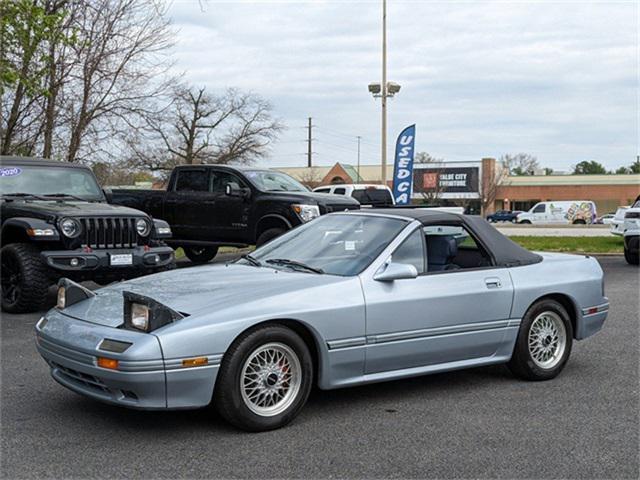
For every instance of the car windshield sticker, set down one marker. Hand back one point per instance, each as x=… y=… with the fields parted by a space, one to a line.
x=10 y=171
x=349 y=245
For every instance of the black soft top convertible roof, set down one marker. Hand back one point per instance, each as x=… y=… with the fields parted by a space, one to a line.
x=506 y=252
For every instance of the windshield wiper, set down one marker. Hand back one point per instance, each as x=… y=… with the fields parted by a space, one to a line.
x=64 y=195
x=252 y=260
x=294 y=264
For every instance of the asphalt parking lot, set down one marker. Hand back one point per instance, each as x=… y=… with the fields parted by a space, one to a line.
x=477 y=423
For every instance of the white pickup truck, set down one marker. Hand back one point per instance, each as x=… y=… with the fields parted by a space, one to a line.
x=627 y=223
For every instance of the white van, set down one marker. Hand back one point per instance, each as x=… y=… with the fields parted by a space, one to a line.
x=373 y=195
x=578 y=212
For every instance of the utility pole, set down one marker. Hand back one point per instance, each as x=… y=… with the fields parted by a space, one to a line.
x=358 y=169
x=309 y=150
x=383 y=173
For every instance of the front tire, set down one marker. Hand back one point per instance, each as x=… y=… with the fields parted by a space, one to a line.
x=544 y=342
x=632 y=258
x=25 y=278
x=264 y=380
x=200 y=254
x=525 y=222
x=268 y=235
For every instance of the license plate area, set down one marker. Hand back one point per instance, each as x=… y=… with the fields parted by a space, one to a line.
x=118 y=259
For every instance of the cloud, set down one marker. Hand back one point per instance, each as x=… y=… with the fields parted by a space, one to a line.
x=555 y=79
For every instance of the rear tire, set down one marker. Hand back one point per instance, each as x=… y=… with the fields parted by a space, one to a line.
x=25 y=278
x=269 y=235
x=544 y=342
x=200 y=254
x=579 y=222
x=264 y=379
x=526 y=222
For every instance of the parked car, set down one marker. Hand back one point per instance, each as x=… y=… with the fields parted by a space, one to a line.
x=631 y=233
x=348 y=299
x=606 y=219
x=504 y=216
x=370 y=195
x=577 y=212
x=617 y=224
x=56 y=222
x=209 y=206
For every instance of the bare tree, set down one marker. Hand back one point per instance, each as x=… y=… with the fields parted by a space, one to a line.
x=198 y=127
x=520 y=163
x=490 y=184
x=310 y=177
x=118 y=58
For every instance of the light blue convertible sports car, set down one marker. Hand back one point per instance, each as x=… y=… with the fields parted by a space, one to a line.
x=347 y=299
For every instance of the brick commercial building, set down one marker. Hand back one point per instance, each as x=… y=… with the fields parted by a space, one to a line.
x=480 y=185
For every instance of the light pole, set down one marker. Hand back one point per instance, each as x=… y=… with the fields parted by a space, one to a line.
x=383 y=91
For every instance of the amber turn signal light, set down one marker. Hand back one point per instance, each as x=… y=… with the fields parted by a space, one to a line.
x=194 y=362
x=109 y=363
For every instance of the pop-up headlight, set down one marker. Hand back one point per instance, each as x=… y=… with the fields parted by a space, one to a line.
x=70 y=292
x=146 y=314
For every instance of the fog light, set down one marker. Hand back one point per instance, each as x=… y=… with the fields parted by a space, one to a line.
x=74 y=262
x=109 y=363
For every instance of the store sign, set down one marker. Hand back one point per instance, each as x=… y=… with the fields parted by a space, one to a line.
x=446 y=180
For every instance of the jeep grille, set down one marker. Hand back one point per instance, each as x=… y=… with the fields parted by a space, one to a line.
x=109 y=232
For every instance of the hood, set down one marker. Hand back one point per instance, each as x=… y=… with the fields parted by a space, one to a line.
x=334 y=202
x=198 y=290
x=65 y=208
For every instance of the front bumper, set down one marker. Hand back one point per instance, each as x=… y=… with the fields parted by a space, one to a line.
x=143 y=380
x=80 y=259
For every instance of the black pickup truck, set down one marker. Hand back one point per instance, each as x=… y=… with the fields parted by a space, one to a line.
x=209 y=206
x=56 y=223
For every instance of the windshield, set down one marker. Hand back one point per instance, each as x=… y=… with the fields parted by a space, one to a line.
x=335 y=244
x=373 y=196
x=42 y=180
x=275 y=182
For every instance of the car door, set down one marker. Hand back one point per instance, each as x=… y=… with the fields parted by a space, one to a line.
x=442 y=316
x=231 y=213
x=540 y=213
x=189 y=205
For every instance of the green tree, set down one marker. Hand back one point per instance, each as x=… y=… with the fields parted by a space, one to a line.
x=635 y=166
x=548 y=171
x=587 y=167
x=623 y=171
x=26 y=29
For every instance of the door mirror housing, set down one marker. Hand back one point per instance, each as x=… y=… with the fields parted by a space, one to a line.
x=396 y=271
x=232 y=189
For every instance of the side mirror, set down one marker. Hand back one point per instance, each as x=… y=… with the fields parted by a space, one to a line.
x=396 y=271
x=232 y=189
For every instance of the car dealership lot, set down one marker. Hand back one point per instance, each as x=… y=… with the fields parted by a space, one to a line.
x=474 y=423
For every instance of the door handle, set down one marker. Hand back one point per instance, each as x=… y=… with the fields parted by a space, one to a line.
x=492 y=282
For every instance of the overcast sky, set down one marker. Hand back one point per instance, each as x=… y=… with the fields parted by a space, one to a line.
x=557 y=80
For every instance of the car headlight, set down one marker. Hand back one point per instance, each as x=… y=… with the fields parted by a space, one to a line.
x=140 y=316
x=306 y=212
x=70 y=292
x=70 y=227
x=146 y=314
x=143 y=227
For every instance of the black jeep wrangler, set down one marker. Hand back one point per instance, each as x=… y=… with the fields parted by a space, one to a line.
x=56 y=223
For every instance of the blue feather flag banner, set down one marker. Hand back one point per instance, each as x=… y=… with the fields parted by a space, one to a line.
x=403 y=168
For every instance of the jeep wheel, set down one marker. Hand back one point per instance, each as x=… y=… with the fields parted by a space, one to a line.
x=25 y=278
x=268 y=235
x=200 y=254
